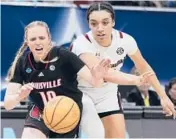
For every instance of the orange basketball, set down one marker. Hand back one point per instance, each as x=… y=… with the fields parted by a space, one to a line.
x=61 y=114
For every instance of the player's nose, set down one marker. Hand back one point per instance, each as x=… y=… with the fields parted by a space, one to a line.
x=37 y=42
x=100 y=28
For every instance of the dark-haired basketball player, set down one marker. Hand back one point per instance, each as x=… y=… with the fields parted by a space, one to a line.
x=105 y=41
x=43 y=73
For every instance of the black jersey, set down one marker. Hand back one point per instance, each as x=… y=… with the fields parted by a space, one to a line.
x=51 y=79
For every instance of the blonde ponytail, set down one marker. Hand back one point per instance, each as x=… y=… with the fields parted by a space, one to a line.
x=11 y=70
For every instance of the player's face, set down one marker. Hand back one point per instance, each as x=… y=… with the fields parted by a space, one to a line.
x=38 y=41
x=173 y=91
x=101 y=24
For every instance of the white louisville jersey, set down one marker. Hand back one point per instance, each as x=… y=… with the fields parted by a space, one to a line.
x=122 y=45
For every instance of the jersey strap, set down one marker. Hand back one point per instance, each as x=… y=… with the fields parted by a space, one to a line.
x=30 y=61
x=121 y=34
x=87 y=37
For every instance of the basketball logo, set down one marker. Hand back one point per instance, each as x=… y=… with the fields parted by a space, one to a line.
x=120 y=50
x=28 y=70
x=52 y=67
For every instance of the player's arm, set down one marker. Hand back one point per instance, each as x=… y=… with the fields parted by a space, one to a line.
x=12 y=96
x=113 y=76
x=82 y=48
x=142 y=65
x=15 y=92
x=93 y=76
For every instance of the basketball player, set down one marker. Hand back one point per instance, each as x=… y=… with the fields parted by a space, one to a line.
x=104 y=41
x=43 y=73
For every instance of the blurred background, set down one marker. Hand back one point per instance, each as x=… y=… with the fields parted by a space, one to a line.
x=151 y=23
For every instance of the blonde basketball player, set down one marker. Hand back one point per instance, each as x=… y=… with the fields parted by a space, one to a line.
x=43 y=73
x=104 y=41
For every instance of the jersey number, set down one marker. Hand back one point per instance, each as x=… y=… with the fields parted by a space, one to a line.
x=47 y=96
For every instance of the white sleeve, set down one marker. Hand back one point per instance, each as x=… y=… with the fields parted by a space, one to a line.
x=81 y=46
x=131 y=45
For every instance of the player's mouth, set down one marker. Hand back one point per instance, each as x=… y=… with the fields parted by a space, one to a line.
x=39 y=49
x=101 y=35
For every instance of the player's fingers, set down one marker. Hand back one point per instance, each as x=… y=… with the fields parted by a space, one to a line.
x=32 y=85
x=142 y=80
x=174 y=115
x=168 y=115
x=106 y=63
x=29 y=87
x=147 y=74
x=172 y=109
x=26 y=88
x=101 y=62
x=167 y=111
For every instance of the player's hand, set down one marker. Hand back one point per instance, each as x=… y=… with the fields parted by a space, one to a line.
x=99 y=70
x=25 y=90
x=143 y=79
x=168 y=107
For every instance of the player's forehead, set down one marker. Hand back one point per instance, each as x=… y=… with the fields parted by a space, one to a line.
x=99 y=16
x=37 y=31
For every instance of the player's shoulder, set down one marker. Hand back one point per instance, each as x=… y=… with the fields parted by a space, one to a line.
x=63 y=51
x=82 y=39
x=123 y=35
x=60 y=50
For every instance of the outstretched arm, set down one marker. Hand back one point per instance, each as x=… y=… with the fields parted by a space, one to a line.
x=112 y=75
x=142 y=65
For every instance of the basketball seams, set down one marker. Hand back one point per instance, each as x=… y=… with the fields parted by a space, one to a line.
x=63 y=117
x=56 y=119
x=46 y=116
x=54 y=111
x=68 y=126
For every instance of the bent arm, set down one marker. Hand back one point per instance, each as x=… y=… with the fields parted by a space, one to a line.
x=112 y=75
x=12 y=96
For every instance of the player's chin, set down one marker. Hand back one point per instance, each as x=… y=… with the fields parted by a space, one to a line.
x=39 y=53
x=101 y=38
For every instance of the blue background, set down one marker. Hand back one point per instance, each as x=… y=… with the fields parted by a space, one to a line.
x=155 y=33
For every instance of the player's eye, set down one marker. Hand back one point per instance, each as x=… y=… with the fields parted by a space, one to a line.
x=93 y=24
x=32 y=39
x=41 y=37
x=105 y=23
